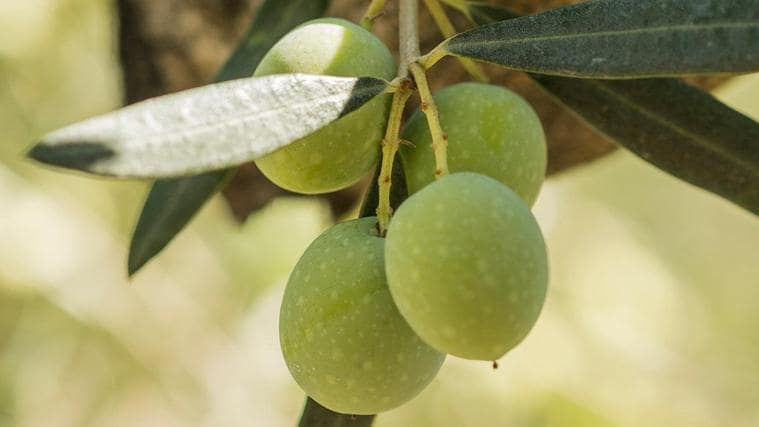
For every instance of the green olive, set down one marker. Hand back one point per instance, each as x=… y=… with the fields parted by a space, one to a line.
x=342 y=152
x=466 y=266
x=491 y=131
x=342 y=337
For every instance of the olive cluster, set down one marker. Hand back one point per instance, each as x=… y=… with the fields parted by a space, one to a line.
x=366 y=320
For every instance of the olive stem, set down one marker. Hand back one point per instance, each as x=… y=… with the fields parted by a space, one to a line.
x=428 y=107
x=389 y=149
x=373 y=12
x=448 y=30
x=408 y=29
x=408 y=47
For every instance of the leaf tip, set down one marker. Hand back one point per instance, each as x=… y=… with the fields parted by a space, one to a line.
x=132 y=270
x=40 y=152
x=135 y=262
x=363 y=91
x=78 y=155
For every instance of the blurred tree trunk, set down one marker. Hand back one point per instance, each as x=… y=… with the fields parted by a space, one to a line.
x=170 y=45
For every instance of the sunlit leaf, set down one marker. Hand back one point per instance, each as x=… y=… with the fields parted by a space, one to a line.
x=622 y=39
x=207 y=128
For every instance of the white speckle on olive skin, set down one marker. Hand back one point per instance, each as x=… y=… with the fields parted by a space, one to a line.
x=486 y=290
x=347 y=345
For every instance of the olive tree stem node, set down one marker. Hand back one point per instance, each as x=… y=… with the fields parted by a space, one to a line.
x=374 y=11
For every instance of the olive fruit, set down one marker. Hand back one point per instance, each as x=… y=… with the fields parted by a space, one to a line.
x=491 y=130
x=466 y=265
x=342 y=337
x=342 y=152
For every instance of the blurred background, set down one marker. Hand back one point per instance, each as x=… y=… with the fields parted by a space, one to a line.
x=652 y=317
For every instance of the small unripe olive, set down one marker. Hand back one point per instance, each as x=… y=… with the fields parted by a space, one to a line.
x=342 y=337
x=342 y=152
x=491 y=131
x=466 y=266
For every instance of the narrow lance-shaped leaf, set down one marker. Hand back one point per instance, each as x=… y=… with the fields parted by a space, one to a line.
x=485 y=13
x=675 y=126
x=273 y=20
x=172 y=203
x=678 y=128
x=622 y=39
x=207 y=128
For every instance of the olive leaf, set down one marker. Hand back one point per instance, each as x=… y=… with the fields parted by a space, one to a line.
x=676 y=127
x=207 y=128
x=316 y=415
x=483 y=13
x=274 y=19
x=172 y=203
x=203 y=129
x=622 y=39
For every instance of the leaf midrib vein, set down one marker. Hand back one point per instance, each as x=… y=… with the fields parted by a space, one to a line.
x=688 y=27
x=208 y=126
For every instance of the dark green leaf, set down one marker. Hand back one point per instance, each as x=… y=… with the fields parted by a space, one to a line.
x=484 y=13
x=315 y=415
x=172 y=203
x=398 y=190
x=678 y=128
x=622 y=39
x=274 y=19
x=207 y=128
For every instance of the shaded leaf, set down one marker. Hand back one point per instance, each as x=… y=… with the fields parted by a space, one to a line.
x=484 y=13
x=207 y=128
x=622 y=39
x=398 y=190
x=676 y=127
x=315 y=415
x=274 y=19
x=172 y=203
